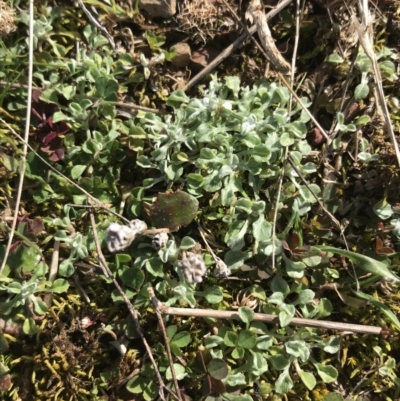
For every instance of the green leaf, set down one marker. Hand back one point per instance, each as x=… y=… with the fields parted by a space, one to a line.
x=218 y=369
x=247 y=339
x=155 y=267
x=133 y=277
x=213 y=341
x=333 y=397
x=29 y=327
x=361 y=91
x=383 y=209
x=238 y=353
x=187 y=243
x=59 y=286
x=136 y=385
x=77 y=171
x=171 y=330
x=279 y=362
x=235 y=259
x=298 y=348
x=327 y=373
x=363 y=262
x=236 y=379
x=305 y=297
x=264 y=342
x=182 y=339
x=230 y=339
x=151 y=391
x=179 y=372
x=284 y=383
x=308 y=379
x=107 y=88
x=286 y=316
x=335 y=58
x=213 y=295
x=246 y=314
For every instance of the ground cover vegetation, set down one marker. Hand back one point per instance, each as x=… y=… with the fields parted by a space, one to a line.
x=224 y=236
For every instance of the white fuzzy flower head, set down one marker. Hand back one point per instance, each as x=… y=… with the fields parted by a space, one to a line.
x=119 y=237
x=193 y=268
x=139 y=226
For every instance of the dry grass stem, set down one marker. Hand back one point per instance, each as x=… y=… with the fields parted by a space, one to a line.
x=262 y=317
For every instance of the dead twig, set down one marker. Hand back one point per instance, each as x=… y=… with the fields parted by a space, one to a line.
x=166 y=341
x=262 y=317
x=132 y=311
x=256 y=13
x=226 y=53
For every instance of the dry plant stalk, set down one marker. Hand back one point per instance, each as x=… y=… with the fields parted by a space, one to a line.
x=263 y=317
x=7 y=19
x=256 y=12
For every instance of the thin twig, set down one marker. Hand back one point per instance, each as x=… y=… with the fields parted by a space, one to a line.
x=131 y=309
x=262 y=317
x=135 y=106
x=225 y=53
x=25 y=147
x=255 y=12
x=166 y=341
x=96 y=23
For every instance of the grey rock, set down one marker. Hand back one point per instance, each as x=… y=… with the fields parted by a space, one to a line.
x=159 y=8
x=183 y=55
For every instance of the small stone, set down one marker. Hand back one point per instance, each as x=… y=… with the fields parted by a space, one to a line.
x=183 y=55
x=159 y=8
x=202 y=57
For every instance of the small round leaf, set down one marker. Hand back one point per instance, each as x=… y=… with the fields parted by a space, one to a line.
x=218 y=369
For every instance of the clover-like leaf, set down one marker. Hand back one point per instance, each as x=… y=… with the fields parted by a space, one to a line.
x=218 y=369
